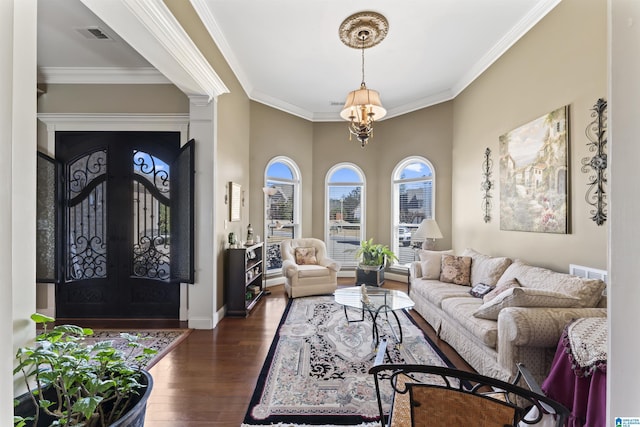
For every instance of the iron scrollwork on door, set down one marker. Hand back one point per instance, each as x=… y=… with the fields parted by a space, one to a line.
x=596 y=165
x=86 y=216
x=486 y=185
x=151 y=193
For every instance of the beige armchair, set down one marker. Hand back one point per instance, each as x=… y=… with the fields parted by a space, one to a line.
x=306 y=268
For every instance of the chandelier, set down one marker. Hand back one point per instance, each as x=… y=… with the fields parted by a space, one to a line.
x=363 y=107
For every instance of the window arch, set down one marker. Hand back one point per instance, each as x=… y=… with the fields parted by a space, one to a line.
x=344 y=212
x=282 y=207
x=413 y=200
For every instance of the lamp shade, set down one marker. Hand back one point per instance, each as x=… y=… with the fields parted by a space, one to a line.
x=363 y=97
x=428 y=229
x=270 y=191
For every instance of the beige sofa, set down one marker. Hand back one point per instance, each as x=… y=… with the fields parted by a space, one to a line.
x=522 y=322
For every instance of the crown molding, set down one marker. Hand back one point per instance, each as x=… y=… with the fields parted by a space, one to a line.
x=206 y=16
x=428 y=101
x=281 y=105
x=97 y=121
x=100 y=75
x=520 y=29
x=150 y=28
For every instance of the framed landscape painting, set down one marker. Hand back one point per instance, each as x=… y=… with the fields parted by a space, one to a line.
x=534 y=175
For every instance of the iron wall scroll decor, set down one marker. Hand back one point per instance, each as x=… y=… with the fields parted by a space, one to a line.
x=596 y=166
x=487 y=166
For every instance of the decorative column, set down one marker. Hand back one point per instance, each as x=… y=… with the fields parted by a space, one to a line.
x=203 y=295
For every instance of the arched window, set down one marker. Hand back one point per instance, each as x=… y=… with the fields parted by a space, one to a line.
x=344 y=212
x=413 y=201
x=282 y=207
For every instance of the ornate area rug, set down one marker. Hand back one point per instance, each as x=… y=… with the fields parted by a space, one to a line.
x=316 y=372
x=163 y=340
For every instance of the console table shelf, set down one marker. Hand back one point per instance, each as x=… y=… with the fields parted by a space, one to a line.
x=244 y=270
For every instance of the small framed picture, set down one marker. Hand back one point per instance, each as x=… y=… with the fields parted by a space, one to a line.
x=480 y=290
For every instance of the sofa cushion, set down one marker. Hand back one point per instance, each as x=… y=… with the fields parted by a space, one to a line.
x=486 y=269
x=524 y=297
x=310 y=270
x=589 y=291
x=456 y=269
x=513 y=283
x=430 y=262
x=462 y=309
x=305 y=256
x=435 y=291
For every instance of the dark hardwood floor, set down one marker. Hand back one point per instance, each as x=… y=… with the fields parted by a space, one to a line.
x=208 y=379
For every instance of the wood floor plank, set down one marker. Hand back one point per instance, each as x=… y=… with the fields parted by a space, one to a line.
x=208 y=379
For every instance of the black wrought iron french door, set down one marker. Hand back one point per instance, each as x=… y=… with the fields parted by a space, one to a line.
x=126 y=237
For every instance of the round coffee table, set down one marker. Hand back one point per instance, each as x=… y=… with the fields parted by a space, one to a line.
x=378 y=303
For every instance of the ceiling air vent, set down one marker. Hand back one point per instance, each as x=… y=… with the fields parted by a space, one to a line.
x=94 y=33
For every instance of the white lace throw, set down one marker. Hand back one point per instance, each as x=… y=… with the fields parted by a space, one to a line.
x=588 y=341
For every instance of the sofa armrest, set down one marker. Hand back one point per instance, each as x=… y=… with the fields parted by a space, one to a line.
x=289 y=268
x=538 y=327
x=415 y=270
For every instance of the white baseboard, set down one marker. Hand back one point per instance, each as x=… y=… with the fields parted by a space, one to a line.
x=202 y=323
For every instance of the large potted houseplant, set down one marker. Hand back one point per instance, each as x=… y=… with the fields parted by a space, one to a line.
x=373 y=258
x=72 y=383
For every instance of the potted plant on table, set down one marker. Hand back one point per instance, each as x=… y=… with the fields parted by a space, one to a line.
x=71 y=383
x=373 y=257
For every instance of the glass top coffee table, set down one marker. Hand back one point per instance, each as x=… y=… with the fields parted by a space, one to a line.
x=378 y=303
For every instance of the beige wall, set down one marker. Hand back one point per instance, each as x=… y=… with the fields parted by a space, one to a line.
x=275 y=133
x=232 y=158
x=316 y=147
x=427 y=133
x=108 y=99
x=561 y=61
x=92 y=98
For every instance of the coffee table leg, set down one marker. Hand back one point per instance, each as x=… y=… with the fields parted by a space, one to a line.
x=355 y=320
x=387 y=310
x=374 y=326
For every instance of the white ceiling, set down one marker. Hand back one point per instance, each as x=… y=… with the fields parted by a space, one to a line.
x=287 y=53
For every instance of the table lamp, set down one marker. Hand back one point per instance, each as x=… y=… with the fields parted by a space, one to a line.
x=428 y=232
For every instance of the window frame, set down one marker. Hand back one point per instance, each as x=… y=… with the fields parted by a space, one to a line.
x=363 y=202
x=296 y=182
x=396 y=181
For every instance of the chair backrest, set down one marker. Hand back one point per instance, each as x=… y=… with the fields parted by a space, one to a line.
x=442 y=396
x=288 y=247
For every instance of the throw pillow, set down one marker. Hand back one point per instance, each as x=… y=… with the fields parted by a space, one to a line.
x=456 y=269
x=486 y=269
x=513 y=283
x=524 y=297
x=306 y=256
x=430 y=262
x=589 y=291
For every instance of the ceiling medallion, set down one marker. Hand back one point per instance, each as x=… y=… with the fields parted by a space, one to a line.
x=363 y=106
x=373 y=24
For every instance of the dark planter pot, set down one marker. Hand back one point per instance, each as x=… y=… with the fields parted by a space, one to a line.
x=369 y=275
x=134 y=417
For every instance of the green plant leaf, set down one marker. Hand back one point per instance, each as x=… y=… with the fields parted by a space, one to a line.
x=87 y=405
x=41 y=318
x=21 y=421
